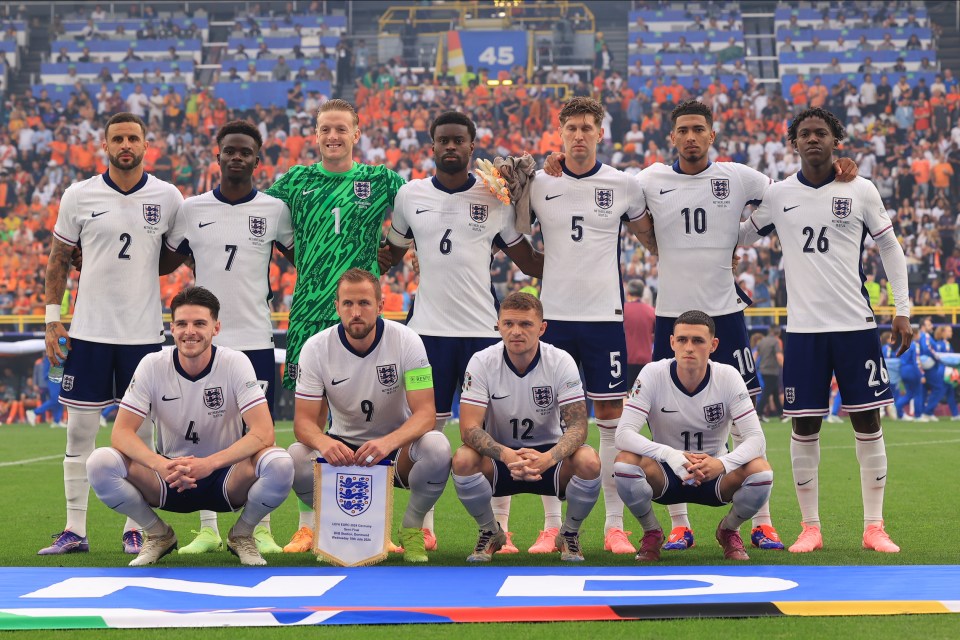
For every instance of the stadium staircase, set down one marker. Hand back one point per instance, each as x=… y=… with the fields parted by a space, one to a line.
x=38 y=44
x=945 y=15
x=759 y=35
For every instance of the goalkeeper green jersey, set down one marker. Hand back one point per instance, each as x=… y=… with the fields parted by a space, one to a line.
x=337 y=222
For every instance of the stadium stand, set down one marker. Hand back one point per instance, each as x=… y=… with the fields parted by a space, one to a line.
x=904 y=122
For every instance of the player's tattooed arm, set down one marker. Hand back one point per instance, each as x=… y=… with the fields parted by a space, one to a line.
x=645 y=233
x=481 y=442
x=574 y=415
x=58 y=268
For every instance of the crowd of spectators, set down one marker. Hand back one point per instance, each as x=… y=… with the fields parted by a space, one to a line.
x=905 y=138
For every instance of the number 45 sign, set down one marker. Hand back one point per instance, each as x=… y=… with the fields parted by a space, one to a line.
x=492 y=50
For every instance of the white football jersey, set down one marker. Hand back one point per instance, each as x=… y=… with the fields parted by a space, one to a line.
x=455 y=232
x=118 y=297
x=522 y=410
x=697 y=221
x=821 y=231
x=365 y=391
x=232 y=243
x=697 y=422
x=195 y=416
x=580 y=218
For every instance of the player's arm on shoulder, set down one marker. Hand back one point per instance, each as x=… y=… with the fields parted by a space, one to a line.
x=528 y=259
x=643 y=229
x=170 y=261
x=758 y=225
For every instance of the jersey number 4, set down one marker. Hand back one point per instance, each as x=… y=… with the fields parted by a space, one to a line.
x=191 y=435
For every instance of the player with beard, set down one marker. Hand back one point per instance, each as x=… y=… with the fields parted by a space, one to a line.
x=831 y=328
x=120 y=218
x=230 y=232
x=374 y=378
x=457 y=224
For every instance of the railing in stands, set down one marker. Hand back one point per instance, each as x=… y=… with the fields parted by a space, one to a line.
x=440 y=18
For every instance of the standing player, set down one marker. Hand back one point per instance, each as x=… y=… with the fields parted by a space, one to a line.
x=690 y=404
x=831 y=328
x=697 y=205
x=119 y=218
x=581 y=213
x=337 y=207
x=456 y=221
x=230 y=232
x=222 y=459
x=523 y=422
x=374 y=377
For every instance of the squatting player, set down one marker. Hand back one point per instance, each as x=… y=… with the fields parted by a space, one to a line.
x=119 y=218
x=214 y=438
x=456 y=222
x=231 y=231
x=337 y=206
x=831 y=329
x=523 y=422
x=374 y=377
x=690 y=404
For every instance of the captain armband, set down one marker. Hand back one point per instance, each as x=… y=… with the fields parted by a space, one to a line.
x=417 y=379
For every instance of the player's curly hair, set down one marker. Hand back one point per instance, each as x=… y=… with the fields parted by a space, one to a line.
x=521 y=301
x=691 y=108
x=355 y=275
x=197 y=296
x=582 y=106
x=243 y=127
x=836 y=128
x=697 y=317
x=454 y=117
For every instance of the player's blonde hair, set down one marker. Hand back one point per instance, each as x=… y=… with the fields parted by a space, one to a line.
x=520 y=301
x=336 y=104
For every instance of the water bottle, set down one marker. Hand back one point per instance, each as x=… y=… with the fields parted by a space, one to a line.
x=56 y=370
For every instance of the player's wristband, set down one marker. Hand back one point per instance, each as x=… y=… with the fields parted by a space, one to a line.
x=417 y=379
x=53 y=313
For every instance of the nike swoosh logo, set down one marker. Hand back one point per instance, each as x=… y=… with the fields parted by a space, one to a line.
x=877 y=394
x=206 y=224
x=800 y=484
x=308 y=192
x=269 y=506
x=430 y=482
x=750 y=380
x=166 y=399
x=552 y=197
x=336 y=382
x=496 y=397
x=419 y=211
x=611 y=385
x=97 y=214
x=662 y=192
x=881 y=478
x=664 y=410
x=785 y=209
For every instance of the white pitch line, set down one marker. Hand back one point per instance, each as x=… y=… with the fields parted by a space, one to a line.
x=14 y=463
x=30 y=460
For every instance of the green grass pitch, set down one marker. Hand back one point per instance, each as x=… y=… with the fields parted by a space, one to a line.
x=922 y=506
